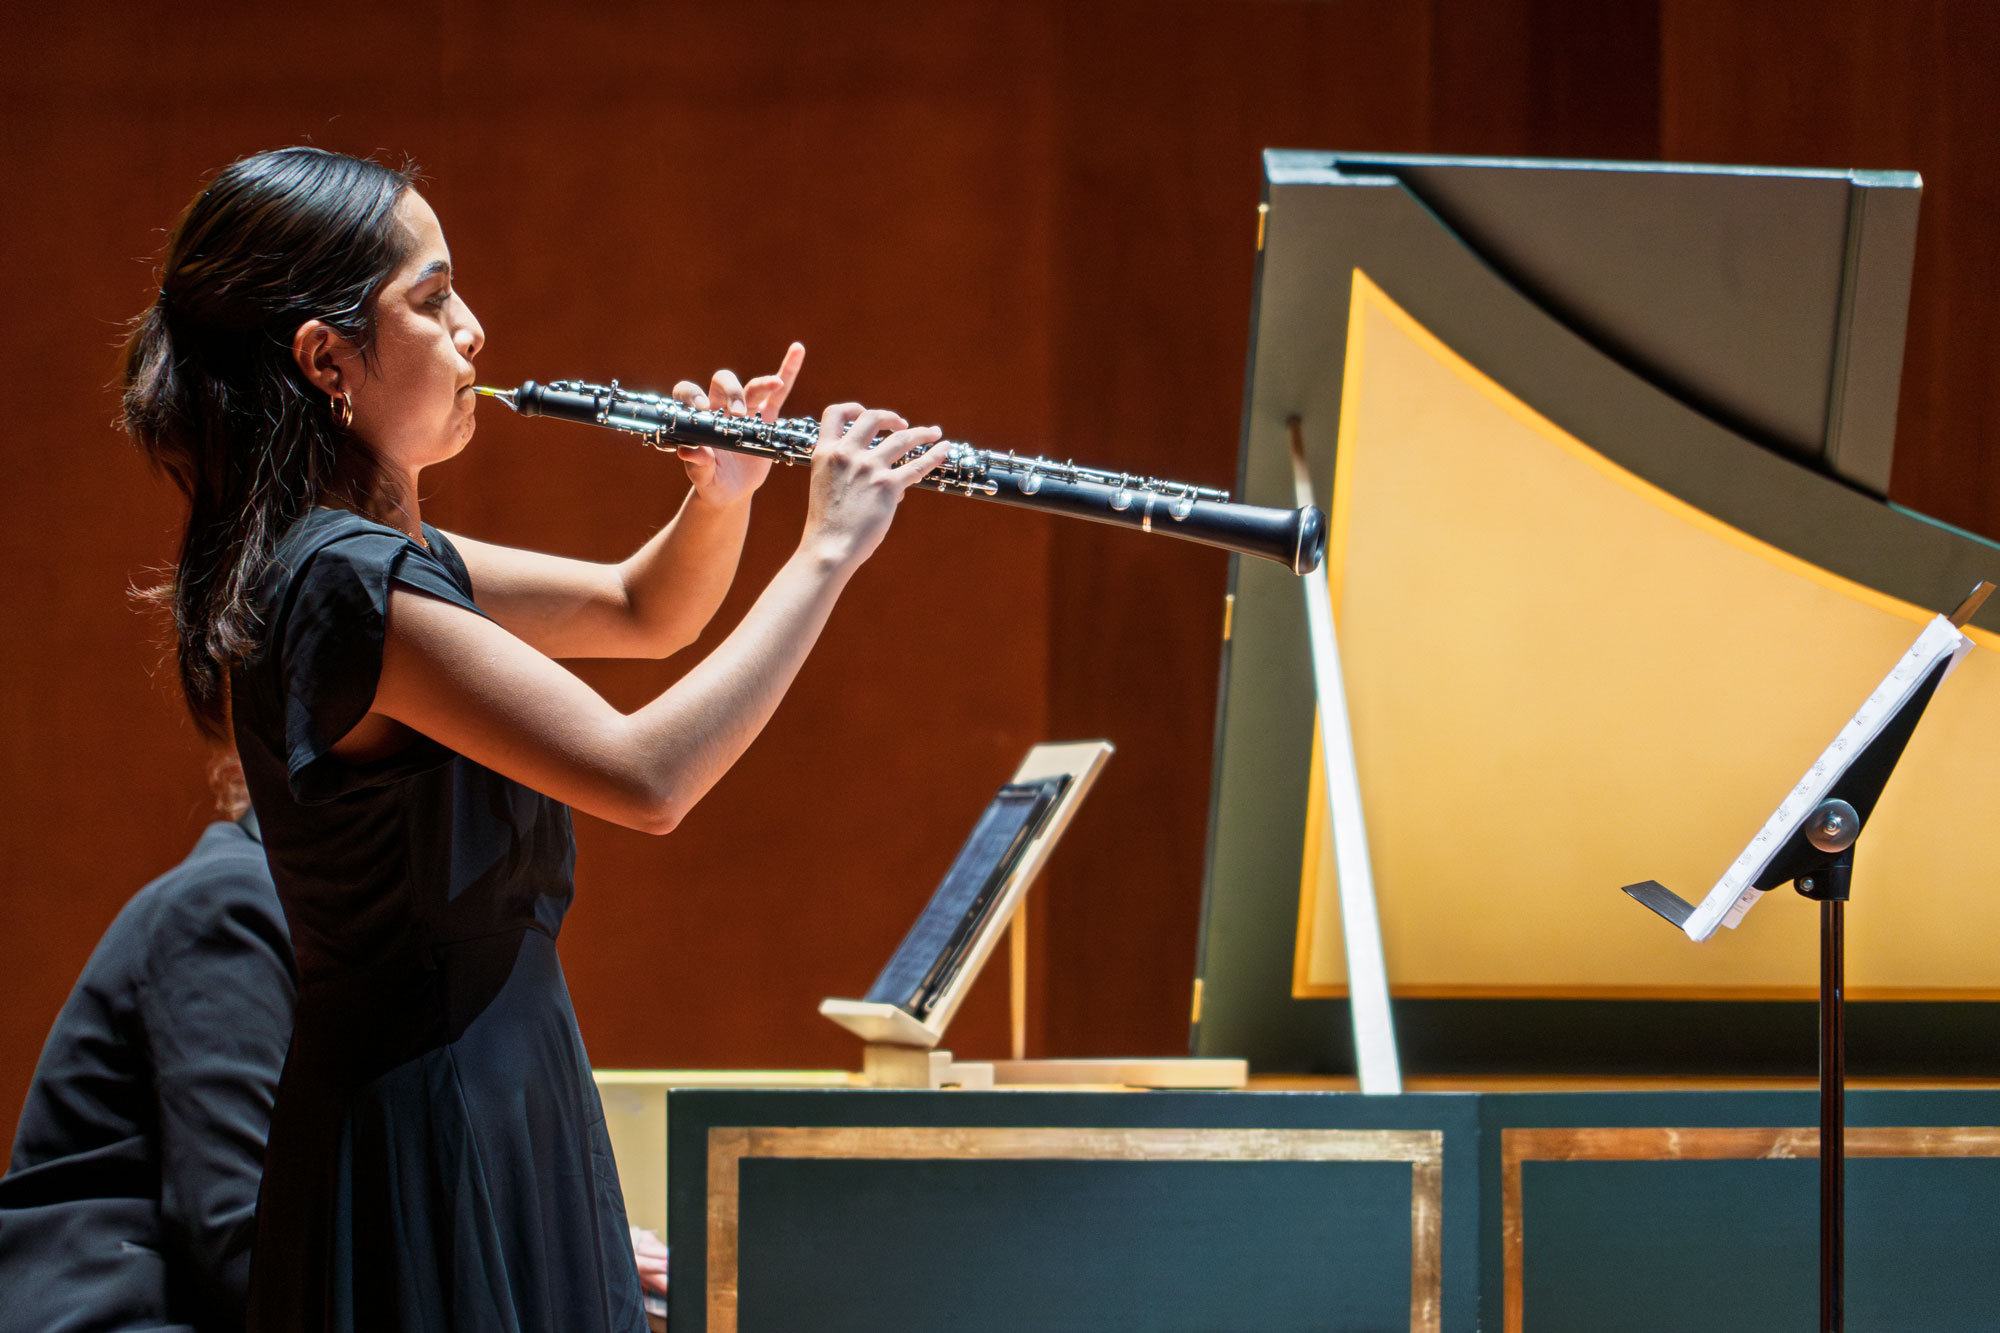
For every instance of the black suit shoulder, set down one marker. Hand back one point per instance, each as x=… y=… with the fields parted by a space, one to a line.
x=136 y=1163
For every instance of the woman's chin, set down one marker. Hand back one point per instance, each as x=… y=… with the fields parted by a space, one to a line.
x=457 y=438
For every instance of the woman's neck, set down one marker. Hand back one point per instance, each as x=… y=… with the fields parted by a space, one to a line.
x=392 y=501
x=399 y=505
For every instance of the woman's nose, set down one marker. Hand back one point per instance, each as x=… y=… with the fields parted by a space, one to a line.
x=471 y=337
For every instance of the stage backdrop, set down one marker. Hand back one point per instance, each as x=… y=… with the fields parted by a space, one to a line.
x=1030 y=222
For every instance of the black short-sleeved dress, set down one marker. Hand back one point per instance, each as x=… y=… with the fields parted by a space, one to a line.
x=437 y=1157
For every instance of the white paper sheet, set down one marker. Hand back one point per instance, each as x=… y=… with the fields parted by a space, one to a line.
x=1733 y=895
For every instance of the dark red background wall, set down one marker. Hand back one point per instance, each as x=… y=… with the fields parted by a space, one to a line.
x=1029 y=222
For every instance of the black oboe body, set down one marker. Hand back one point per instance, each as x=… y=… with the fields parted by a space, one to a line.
x=1295 y=538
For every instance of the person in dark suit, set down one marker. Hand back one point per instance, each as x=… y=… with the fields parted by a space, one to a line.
x=130 y=1199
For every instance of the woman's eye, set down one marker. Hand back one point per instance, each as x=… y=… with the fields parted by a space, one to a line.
x=437 y=302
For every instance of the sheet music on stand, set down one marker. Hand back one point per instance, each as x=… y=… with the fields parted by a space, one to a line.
x=934 y=952
x=1929 y=660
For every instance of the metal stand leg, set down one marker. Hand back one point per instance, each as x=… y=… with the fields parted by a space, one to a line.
x=1830 y=887
x=1832 y=1112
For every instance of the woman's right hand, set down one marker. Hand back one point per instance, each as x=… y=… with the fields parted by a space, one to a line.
x=856 y=484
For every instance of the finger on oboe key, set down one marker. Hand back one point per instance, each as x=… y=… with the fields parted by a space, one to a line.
x=894 y=448
x=725 y=388
x=835 y=420
x=765 y=395
x=871 y=423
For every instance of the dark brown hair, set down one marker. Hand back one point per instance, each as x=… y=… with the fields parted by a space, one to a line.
x=215 y=399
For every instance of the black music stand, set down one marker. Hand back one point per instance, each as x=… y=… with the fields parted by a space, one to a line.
x=1812 y=846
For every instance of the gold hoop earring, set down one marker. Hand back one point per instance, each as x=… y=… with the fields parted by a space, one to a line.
x=343 y=410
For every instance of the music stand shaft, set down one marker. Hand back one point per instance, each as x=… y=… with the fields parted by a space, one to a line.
x=1830 y=886
x=1832 y=1112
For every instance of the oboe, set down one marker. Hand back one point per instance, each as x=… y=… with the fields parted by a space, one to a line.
x=1295 y=538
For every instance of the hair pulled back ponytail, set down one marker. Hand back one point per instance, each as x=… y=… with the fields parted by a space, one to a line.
x=214 y=398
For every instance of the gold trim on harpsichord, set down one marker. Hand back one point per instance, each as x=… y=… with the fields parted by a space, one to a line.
x=1694 y=1144
x=1422 y=1149
x=1563 y=678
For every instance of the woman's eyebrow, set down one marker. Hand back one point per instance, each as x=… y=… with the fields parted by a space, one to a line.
x=436 y=266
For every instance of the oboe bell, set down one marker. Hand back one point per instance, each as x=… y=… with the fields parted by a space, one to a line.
x=1294 y=538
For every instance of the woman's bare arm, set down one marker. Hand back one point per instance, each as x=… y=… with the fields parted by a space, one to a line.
x=658 y=600
x=473 y=686
x=652 y=604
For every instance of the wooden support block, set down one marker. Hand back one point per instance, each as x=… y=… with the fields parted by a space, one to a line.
x=908 y=1067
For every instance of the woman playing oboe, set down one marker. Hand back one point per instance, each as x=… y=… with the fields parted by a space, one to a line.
x=437 y=1156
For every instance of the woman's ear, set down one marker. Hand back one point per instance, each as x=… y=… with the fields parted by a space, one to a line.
x=323 y=355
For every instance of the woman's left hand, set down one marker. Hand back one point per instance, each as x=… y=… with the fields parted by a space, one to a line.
x=720 y=476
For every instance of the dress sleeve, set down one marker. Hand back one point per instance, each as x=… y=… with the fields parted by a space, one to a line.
x=330 y=649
